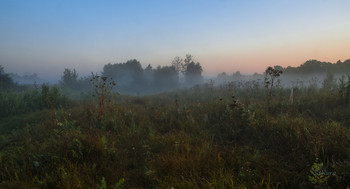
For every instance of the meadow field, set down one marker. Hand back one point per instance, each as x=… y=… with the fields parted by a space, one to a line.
x=240 y=134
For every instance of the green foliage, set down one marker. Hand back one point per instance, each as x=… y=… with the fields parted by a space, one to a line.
x=329 y=82
x=6 y=82
x=344 y=89
x=166 y=78
x=69 y=78
x=73 y=86
x=192 y=70
x=119 y=184
x=317 y=174
x=103 y=184
x=130 y=75
x=193 y=73
x=14 y=103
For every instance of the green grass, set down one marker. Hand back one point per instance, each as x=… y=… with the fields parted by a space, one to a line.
x=194 y=138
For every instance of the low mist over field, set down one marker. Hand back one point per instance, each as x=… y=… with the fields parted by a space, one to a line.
x=132 y=78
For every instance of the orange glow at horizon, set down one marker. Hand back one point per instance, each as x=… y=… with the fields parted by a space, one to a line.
x=287 y=53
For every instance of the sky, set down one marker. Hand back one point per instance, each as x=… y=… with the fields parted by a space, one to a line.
x=44 y=37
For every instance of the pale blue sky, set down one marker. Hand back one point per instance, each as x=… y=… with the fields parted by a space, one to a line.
x=47 y=36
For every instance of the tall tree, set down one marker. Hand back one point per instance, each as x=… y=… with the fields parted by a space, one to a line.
x=178 y=64
x=193 y=73
x=191 y=70
x=166 y=78
x=188 y=60
x=149 y=73
x=129 y=75
x=69 y=78
x=6 y=81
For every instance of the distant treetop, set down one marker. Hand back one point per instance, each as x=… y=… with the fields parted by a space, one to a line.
x=318 y=67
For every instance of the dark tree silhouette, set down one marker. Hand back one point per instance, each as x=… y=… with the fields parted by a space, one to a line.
x=191 y=70
x=69 y=78
x=178 y=64
x=318 y=67
x=129 y=75
x=166 y=78
x=149 y=74
x=6 y=81
x=193 y=73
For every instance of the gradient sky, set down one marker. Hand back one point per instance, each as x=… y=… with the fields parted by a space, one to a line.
x=47 y=36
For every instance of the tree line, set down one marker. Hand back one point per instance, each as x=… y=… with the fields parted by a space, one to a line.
x=182 y=72
x=317 y=67
x=132 y=78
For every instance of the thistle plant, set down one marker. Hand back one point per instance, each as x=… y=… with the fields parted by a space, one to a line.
x=102 y=88
x=270 y=76
x=236 y=110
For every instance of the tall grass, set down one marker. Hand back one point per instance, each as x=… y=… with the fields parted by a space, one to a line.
x=201 y=137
